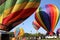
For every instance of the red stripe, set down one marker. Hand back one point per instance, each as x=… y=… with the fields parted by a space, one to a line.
x=17 y=15
x=36 y=24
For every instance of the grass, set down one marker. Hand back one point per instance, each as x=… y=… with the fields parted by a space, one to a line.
x=42 y=39
x=51 y=39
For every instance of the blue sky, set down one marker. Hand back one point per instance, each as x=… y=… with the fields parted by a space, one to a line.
x=27 y=24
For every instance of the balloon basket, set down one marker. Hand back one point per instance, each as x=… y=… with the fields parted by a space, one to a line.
x=5 y=35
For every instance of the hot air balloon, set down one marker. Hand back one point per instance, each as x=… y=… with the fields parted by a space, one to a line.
x=21 y=33
x=16 y=31
x=58 y=32
x=14 y=12
x=36 y=25
x=47 y=17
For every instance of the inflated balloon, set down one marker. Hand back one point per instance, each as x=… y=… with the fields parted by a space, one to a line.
x=21 y=33
x=47 y=17
x=58 y=31
x=36 y=25
x=13 y=12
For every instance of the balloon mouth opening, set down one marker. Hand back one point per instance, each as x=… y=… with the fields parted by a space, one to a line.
x=50 y=33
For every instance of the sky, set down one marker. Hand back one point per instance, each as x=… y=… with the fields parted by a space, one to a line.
x=27 y=24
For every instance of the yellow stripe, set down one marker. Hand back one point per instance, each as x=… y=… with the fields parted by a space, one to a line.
x=0 y=19
x=7 y=12
x=18 y=7
x=36 y=5
x=21 y=33
x=57 y=14
x=30 y=5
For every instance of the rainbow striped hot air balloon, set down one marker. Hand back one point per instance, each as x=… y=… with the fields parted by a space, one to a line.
x=48 y=17
x=13 y=12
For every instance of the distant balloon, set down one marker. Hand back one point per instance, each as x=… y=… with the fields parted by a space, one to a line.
x=14 y=12
x=58 y=31
x=19 y=32
x=36 y=25
x=47 y=17
x=16 y=32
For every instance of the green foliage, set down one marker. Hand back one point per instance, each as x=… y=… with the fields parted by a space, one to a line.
x=32 y=35
x=52 y=39
x=11 y=34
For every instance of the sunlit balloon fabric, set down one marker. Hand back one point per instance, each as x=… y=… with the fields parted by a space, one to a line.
x=13 y=12
x=18 y=32
x=21 y=33
x=47 y=16
x=36 y=25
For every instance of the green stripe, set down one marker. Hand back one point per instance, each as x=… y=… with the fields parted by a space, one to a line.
x=2 y=8
x=32 y=0
x=10 y=3
x=38 y=0
x=21 y=1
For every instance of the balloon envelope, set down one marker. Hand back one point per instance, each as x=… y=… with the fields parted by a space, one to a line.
x=47 y=17
x=36 y=25
x=16 y=32
x=13 y=12
x=19 y=32
x=58 y=31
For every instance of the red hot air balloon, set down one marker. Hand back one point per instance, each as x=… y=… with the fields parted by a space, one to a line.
x=36 y=25
x=47 y=17
x=14 y=12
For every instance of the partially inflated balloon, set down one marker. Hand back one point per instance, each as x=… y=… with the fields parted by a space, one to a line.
x=47 y=17
x=13 y=12
x=36 y=25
